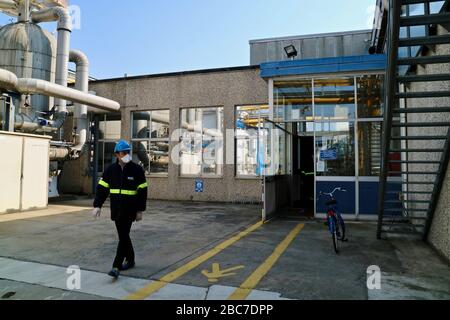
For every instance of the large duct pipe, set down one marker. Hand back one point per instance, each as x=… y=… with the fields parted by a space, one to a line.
x=37 y=86
x=8 y=4
x=8 y=80
x=81 y=110
x=62 y=57
x=164 y=120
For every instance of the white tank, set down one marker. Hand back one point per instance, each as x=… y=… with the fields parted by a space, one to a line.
x=28 y=51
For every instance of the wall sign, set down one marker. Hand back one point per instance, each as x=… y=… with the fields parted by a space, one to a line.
x=326 y=155
x=199 y=185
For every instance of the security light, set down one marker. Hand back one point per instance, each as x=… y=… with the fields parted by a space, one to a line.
x=291 y=51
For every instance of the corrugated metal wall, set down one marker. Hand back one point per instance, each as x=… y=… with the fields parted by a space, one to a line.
x=310 y=47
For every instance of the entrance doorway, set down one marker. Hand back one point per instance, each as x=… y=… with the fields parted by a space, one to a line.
x=304 y=171
x=303 y=175
x=291 y=193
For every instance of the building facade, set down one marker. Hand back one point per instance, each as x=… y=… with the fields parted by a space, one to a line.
x=185 y=115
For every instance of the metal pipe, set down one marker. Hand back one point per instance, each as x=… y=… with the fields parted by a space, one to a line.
x=27 y=124
x=62 y=57
x=8 y=80
x=37 y=86
x=59 y=153
x=81 y=110
x=8 y=4
x=24 y=12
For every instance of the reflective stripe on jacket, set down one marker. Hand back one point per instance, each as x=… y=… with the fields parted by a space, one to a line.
x=127 y=189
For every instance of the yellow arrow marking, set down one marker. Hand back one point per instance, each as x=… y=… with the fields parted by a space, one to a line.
x=216 y=273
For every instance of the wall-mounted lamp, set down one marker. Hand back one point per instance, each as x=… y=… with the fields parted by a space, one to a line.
x=291 y=51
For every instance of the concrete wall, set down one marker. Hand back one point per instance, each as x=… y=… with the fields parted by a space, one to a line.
x=225 y=88
x=440 y=231
x=353 y=43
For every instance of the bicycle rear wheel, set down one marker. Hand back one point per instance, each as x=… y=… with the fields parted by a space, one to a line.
x=335 y=235
x=341 y=224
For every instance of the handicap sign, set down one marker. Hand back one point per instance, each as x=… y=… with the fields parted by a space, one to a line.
x=326 y=155
x=199 y=186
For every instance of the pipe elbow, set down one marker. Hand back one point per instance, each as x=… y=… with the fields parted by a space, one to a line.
x=54 y=14
x=8 y=80
x=79 y=58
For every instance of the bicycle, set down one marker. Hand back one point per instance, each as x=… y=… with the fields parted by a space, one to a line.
x=335 y=222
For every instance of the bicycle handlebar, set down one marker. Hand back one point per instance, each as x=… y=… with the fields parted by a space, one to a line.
x=331 y=194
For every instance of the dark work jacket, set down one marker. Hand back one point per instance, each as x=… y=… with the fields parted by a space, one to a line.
x=127 y=189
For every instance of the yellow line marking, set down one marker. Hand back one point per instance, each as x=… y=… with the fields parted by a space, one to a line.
x=172 y=276
x=52 y=210
x=247 y=286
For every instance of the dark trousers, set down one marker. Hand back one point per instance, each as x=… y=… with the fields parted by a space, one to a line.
x=125 y=249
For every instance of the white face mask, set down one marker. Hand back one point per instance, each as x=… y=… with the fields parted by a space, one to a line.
x=126 y=159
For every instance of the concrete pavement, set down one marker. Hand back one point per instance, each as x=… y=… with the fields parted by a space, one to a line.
x=208 y=251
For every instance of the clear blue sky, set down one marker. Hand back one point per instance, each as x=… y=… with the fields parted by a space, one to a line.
x=154 y=36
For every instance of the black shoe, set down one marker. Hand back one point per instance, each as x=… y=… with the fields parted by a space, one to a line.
x=128 y=265
x=115 y=273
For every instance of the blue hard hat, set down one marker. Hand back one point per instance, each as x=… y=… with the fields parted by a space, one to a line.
x=122 y=146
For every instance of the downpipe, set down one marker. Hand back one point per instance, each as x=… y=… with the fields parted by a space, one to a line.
x=81 y=110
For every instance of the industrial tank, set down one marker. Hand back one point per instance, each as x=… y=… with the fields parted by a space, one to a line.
x=27 y=51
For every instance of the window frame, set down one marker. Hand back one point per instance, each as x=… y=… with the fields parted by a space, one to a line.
x=151 y=140
x=257 y=138
x=201 y=175
x=103 y=141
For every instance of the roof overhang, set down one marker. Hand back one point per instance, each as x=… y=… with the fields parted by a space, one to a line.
x=376 y=62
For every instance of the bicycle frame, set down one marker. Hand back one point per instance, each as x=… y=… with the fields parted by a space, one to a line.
x=333 y=212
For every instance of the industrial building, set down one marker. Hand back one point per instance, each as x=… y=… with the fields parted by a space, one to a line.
x=310 y=113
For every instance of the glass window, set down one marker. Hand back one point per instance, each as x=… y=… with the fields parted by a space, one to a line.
x=293 y=100
x=201 y=152
x=436 y=7
x=334 y=99
x=109 y=133
x=369 y=137
x=370 y=96
x=335 y=149
x=110 y=128
x=151 y=140
x=250 y=137
x=416 y=9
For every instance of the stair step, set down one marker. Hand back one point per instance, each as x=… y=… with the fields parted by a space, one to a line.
x=409 y=192
x=412 y=172
x=405 y=210
x=422 y=110
x=414 y=162
x=421 y=124
x=424 y=60
x=401 y=232
x=406 y=2
x=429 y=94
x=424 y=78
x=425 y=19
x=407 y=201
x=419 y=138
x=419 y=41
x=401 y=219
x=412 y=182
x=416 y=150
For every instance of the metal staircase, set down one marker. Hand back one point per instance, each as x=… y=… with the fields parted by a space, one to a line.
x=416 y=132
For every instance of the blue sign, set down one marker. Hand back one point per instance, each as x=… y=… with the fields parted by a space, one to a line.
x=199 y=186
x=326 y=155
